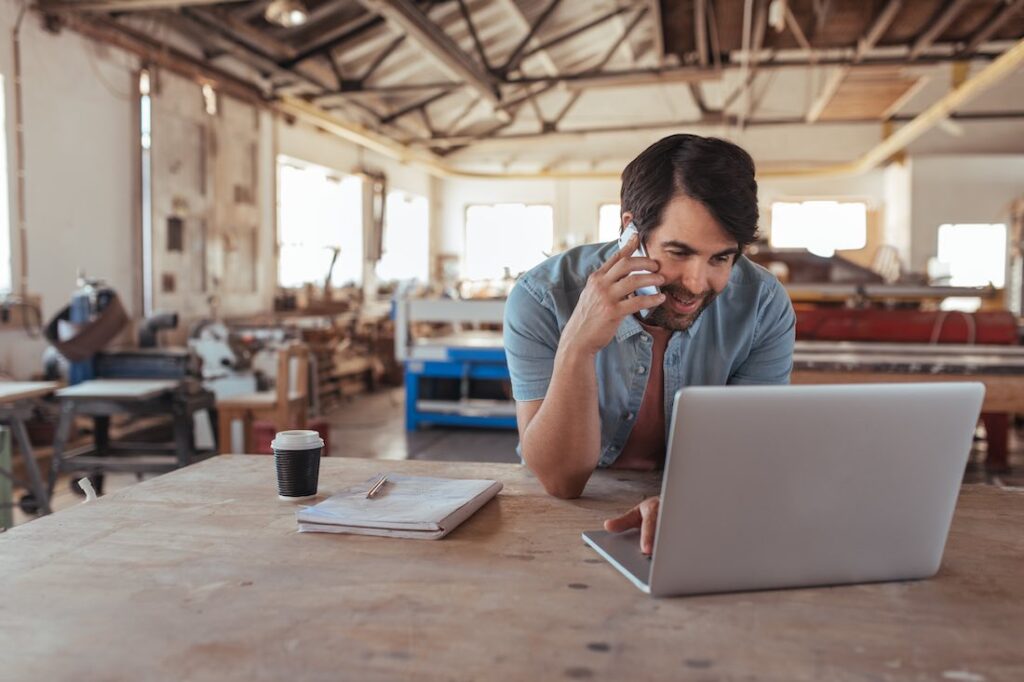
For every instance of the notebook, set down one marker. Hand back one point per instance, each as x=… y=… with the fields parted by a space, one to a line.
x=406 y=507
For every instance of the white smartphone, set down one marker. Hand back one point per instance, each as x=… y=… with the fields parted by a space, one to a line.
x=642 y=253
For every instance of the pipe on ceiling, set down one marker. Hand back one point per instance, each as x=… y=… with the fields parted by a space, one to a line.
x=990 y=75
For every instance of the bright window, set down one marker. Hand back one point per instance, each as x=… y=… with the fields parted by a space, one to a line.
x=319 y=212
x=609 y=220
x=512 y=237
x=973 y=255
x=821 y=227
x=6 y=277
x=406 y=239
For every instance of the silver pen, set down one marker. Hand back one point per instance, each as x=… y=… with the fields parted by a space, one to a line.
x=377 y=485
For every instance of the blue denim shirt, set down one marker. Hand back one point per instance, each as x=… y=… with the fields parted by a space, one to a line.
x=745 y=336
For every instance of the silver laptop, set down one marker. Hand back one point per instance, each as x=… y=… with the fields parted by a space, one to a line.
x=771 y=487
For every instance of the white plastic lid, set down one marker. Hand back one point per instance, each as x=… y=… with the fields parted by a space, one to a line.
x=297 y=440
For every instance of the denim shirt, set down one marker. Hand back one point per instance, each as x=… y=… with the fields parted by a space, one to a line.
x=745 y=336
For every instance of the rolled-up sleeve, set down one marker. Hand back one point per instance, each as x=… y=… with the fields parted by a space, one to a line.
x=771 y=356
x=531 y=339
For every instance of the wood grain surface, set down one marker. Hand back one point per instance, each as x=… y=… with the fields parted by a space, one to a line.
x=200 y=575
x=12 y=391
x=139 y=389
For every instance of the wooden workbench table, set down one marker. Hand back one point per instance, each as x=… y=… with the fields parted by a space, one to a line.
x=200 y=575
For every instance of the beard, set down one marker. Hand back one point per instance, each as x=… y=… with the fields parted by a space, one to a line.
x=663 y=316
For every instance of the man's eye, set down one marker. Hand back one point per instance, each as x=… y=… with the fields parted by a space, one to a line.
x=721 y=259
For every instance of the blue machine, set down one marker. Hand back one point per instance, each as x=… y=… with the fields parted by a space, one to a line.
x=465 y=364
x=85 y=306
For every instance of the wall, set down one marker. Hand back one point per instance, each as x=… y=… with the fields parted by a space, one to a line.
x=575 y=204
x=307 y=143
x=79 y=135
x=960 y=189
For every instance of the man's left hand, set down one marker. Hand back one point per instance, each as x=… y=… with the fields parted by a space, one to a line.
x=643 y=516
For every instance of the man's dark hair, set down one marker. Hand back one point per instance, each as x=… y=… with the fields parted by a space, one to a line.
x=718 y=174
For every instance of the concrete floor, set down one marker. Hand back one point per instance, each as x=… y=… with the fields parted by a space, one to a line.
x=373 y=426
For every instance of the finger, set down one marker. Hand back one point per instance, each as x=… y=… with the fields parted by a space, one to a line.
x=637 y=303
x=627 y=285
x=649 y=514
x=624 y=266
x=631 y=519
x=626 y=250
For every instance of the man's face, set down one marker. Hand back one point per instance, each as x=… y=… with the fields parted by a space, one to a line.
x=696 y=257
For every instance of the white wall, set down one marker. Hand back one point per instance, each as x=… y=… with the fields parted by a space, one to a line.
x=575 y=204
x=308 y=143
x=79 y=170
x=960 y=189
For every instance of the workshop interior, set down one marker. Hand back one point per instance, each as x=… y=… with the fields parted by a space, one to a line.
x=221 y=220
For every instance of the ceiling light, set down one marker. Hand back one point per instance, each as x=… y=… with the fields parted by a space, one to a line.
x=286 y=13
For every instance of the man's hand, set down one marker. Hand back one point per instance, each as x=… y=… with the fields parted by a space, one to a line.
x=608 y=298
x=643 y=516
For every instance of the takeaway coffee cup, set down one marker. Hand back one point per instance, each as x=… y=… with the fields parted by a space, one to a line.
x=297 y=457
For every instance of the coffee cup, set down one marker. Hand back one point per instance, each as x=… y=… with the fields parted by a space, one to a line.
x=297 y=458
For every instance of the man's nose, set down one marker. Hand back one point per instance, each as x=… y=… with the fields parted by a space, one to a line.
x=695 y=276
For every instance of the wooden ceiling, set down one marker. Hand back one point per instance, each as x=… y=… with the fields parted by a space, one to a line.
x=444 y=74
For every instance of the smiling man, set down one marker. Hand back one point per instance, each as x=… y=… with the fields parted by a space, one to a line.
x=592 y=378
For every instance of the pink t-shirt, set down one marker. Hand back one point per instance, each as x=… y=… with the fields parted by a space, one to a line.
x=645 y=448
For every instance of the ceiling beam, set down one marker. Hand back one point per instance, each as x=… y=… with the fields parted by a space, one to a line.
x=407 y=18
x=870 y=38
x=243 y=34
x=514 y=11
x=573 y=32
x=714 y=119
x=518 y=54
x=950 y=12
x=471 y=27
x=995 y=22
x=700 y=30
x=623 y=37
x=334 y=37
x=121 y=5
x=658 y=28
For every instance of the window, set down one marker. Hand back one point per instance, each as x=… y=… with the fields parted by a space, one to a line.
x=320 y=213
x=821 y=227
x=972 y=255
x=512 y=237
x=406 y=239
x=609 y=220
x=6 y=276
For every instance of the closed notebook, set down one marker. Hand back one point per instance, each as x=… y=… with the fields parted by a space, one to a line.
x=406 y=507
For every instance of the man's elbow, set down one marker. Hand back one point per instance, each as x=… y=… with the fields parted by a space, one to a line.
x=562 y=485
x=563 y=489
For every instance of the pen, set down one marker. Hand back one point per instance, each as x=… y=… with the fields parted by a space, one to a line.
x=377 y=485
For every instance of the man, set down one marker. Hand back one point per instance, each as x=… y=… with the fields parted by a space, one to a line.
x=592 y=378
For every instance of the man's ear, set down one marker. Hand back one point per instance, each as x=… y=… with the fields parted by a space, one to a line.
x=627 y=218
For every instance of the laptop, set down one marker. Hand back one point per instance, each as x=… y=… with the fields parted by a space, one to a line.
x=769 y=487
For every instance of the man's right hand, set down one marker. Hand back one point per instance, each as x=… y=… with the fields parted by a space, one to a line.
x=608 y=298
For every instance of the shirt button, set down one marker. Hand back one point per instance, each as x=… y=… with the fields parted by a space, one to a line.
x=646 y=338
x=629 y=416
x=641 y=369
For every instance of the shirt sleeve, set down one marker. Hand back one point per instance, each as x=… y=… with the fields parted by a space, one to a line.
x=531 y=338
x=771 y=356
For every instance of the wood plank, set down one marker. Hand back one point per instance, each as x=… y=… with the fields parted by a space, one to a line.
x=1003 y=392
x=13 y=391
x=200 y=574
x=119 y=389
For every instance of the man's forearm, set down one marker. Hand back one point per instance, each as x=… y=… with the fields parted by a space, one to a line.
x=562 y=443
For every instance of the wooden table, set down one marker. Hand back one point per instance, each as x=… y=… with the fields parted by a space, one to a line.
x=102 y=398
x=200 y=575
x=15 y=408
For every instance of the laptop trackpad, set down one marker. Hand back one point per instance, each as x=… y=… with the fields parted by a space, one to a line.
x=623 y=551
